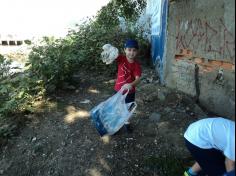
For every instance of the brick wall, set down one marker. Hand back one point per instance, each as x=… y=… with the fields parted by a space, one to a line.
x=200 y=52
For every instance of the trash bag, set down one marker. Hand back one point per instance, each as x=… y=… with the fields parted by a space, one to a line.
x=109 y=54
x=109 y=116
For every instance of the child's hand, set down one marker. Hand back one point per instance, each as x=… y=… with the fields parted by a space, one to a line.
x=109 y=54
x=126 y=87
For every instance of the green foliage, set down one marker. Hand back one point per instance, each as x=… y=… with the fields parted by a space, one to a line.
x=129 y=9
x=4 y=67
x=17 y=91
x=17 y=94
x=53 y=61
x=108 y=16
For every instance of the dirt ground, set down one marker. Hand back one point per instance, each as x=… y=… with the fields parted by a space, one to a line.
x=63 y=142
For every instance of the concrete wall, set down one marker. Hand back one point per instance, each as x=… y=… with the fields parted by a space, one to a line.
x=200 y=52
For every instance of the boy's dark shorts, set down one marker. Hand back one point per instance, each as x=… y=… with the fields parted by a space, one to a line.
x=212 y=161
x=130 y=98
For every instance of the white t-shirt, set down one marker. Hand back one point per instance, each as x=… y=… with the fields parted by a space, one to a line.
x=218 y=133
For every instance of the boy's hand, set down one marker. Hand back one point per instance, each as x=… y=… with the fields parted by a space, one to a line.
x=127 y=87
x=109 y=54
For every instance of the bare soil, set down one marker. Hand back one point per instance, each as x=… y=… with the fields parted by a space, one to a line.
x=62 y=141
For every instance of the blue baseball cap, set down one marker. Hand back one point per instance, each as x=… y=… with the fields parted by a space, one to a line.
x=130 y=43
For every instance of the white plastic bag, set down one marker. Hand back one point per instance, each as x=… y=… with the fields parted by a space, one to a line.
x=109 y=116
x=109 y=54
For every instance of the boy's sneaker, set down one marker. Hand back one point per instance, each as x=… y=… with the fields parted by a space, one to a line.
x=128 y=128
x=186 y=173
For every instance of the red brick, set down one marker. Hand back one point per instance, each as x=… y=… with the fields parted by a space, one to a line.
x=228 y=66
x=198 y=60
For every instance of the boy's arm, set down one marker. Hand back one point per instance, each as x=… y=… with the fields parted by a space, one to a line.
x=136 y=81
x=229 y=164
x=129 y=86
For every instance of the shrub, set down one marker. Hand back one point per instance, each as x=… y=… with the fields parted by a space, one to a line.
x=17 y=91
x=4 y=67
x=53 y=61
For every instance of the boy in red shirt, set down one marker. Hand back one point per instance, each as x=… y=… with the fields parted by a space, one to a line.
x=129 y=70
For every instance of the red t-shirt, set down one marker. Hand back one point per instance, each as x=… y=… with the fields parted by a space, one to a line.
x=126 y=72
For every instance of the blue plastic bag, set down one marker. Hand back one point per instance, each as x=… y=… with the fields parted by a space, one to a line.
x=109 y=116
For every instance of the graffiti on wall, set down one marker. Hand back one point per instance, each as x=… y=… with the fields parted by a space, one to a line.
x=202 y=36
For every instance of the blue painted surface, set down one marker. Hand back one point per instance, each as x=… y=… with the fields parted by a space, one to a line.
x=158 y=40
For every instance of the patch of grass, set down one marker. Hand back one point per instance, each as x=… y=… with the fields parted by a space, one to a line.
x=166 y=164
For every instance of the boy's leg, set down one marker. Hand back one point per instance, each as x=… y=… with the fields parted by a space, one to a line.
x=129 y=98
x=210 y=160
x=194 y=170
